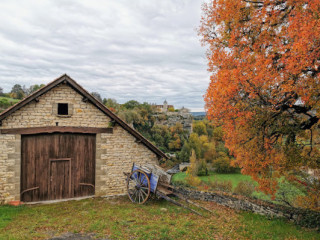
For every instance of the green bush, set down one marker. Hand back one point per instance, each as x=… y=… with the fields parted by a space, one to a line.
x=4 y=103
x=181 y=183
x=287 y=193
x=224 y=186
x=202 y=168
x=222 y=165
x=245 y=188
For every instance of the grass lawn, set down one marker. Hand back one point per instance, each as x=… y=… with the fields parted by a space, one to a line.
x=11 y=100
x=157 y=219
x=7 y=102
x=235 y=178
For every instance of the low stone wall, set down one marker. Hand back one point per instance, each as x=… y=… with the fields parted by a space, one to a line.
x=302 y=217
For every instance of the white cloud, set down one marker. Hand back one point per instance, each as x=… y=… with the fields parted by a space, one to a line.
x=144 y=49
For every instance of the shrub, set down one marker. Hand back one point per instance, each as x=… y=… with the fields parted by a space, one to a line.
x=203 y=187
x=222 y=164
x=202 y=169
x=197 y=167
x=199 y=127
x=4 y=103
x=180 y=183
x=193 y=168
x=224 y=186
x=171 y=162
x=287 y=193
x=193 y=180
x=309 y=201
x=245 y=188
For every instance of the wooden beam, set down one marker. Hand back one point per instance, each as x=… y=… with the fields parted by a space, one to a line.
x=37 y=130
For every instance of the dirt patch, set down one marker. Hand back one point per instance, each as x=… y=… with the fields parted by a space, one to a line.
x=77 y=236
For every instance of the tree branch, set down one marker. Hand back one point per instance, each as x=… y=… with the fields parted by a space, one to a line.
x=257 y=2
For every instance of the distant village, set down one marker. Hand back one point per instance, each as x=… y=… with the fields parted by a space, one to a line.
x=173 y=116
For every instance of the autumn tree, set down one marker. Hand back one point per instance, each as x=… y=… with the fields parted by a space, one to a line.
x=111 y=104
x=17 y=92
x=131 y=104
x=192 y=170
x=199 y=127
x=175 y=143
x=264 y=57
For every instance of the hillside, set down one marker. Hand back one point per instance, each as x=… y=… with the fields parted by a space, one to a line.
x=6 y=102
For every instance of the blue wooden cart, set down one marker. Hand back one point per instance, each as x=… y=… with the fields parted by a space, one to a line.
x=147 y=179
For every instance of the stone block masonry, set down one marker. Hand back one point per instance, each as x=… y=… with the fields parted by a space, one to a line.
x=10 y=147
x=116 y=154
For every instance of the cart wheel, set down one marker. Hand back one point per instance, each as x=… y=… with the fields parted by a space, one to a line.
x=138 y=186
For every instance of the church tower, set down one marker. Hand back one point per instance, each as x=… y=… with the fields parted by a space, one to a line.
x=165 y=106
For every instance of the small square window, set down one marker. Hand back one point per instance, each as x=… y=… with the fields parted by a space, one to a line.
x=63 y=109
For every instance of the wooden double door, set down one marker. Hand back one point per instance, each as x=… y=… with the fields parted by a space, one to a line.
x=57 y=166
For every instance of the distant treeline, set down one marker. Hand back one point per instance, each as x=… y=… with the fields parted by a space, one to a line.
x=20 y=92
x=17 y=93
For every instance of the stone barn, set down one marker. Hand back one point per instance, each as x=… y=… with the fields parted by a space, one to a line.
x=62 y=143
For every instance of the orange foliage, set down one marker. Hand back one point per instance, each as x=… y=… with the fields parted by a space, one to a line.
x=265 y=56
x=310 y=201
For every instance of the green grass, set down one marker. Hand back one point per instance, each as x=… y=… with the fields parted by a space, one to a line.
x=11 y=100
x=235 y=178
x=157 y=219
x=7 y=213
x=7 y=102
x=258 y=227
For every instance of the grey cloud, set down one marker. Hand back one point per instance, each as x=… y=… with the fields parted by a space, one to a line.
x=144 y=49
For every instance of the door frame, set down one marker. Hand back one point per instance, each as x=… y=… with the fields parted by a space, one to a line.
x=49 y=175
x=43 y=184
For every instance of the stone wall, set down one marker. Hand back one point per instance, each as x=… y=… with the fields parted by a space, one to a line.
x=172 y=118
x=302 y=217
x=116 y=154
x=10 y=146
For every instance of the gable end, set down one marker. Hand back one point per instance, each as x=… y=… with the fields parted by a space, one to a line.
x=87 y=97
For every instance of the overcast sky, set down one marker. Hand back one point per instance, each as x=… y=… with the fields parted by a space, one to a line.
x=145 y=50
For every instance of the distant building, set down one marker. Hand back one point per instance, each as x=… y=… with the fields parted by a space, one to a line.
x=184 y=110
x=164 y=107
x=171 y=118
